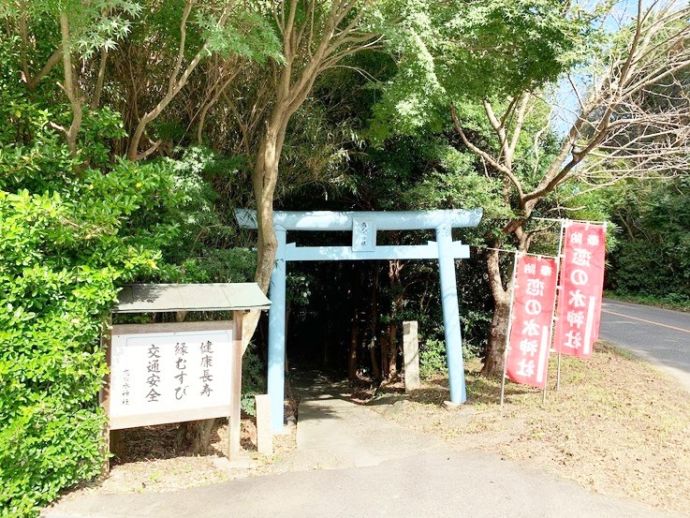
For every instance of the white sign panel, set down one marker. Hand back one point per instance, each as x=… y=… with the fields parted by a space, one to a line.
x=363 y=235
x=168 y=373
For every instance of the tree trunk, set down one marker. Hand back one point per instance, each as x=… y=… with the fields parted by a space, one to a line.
x=374 y=326
x=389 y=354
x=375 y=369
x=195 y=437
x=354 y=345
x=264 y=180
x=392 y=350
x=385 y=347
x=71 y=86
x=493 y=364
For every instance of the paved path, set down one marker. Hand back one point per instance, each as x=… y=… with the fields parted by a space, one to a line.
x=659 y=335
x=335 y=433
x=375 y=468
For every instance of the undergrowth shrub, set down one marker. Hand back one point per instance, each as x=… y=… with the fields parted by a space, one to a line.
x=253 y=379
x=432 y=358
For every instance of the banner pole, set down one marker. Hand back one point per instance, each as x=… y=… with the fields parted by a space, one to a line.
x=559 y=290
x=553 y=313
x=509 y=329
x=558 y=372
x=546 y=382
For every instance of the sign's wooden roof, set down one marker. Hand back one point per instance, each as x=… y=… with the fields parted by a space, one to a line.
x=159 y=298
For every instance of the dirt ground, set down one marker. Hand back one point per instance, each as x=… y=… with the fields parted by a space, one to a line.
x=616 y=426
x=150 y=461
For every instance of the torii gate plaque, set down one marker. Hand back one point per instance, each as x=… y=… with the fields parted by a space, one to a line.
x=364 y=226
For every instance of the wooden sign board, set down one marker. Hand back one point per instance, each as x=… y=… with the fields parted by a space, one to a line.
x=169 y=373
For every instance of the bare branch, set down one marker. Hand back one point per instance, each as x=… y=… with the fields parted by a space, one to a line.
x=54 y=59
x=176 y=83
x=483 y=154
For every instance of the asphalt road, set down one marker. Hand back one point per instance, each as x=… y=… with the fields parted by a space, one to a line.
x=659 y=335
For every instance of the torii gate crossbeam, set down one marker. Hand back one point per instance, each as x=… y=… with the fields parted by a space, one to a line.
x=364 y=226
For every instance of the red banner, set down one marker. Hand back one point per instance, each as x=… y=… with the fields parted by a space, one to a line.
x=582 y=280
x=534 y=296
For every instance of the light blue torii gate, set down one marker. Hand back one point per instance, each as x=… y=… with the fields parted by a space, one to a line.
x=364 y=226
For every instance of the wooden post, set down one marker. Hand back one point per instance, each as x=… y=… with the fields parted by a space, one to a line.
x=411 y=355
x=236 y=369
x=264 y=436
x=559 y=259
x=104 y=393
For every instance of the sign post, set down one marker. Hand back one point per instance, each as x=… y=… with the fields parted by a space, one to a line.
x=236 y=392
x=179 y=371
x=510 y=326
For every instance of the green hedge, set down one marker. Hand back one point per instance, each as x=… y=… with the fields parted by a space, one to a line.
x=69 y=235
x=58 y=268
x=73 y=227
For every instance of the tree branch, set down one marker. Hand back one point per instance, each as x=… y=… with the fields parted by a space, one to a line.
x=486 y=156
x=70 y=86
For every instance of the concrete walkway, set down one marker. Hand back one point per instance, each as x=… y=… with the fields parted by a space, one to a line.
x=351 y=462
x=335 y=433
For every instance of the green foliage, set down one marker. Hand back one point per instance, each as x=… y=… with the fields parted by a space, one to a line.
x=432 y=353
x=50 y=365
x=432 y=358
x=249 y=34
x=456 y=51
x=653 y=254
x=71 y=233
x=93 y=25
x=503 y=48
x=253 y=379
x=223 y=28
x=668 y=301
x=213 y=265
x=412 y=96
x=57 y=278
x=455 y=182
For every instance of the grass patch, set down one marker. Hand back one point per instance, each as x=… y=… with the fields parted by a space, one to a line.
x=616 y=426
x=650 y=300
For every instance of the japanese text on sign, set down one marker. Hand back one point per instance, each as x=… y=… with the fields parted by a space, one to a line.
x=171 y=373
x=582 y=278
x=534 y=296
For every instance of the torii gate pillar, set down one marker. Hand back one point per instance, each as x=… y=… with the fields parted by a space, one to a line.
x=364 y=226
x=451 y=315
x=276 y=335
